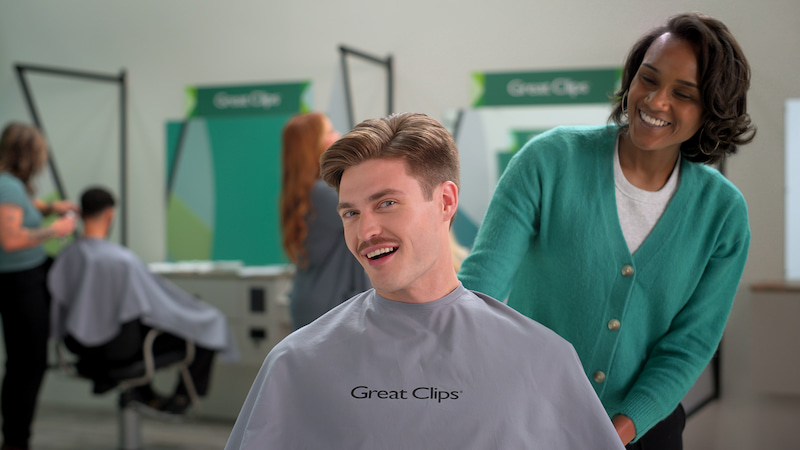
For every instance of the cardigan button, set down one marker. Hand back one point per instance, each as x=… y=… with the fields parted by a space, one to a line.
x=627 y=270
x=599 y=376
x=614 y=324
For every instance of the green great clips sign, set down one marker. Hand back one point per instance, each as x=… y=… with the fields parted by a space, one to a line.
x=544 y=88
x=214 y=101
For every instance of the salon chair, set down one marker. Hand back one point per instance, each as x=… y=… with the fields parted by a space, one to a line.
x=138 y=373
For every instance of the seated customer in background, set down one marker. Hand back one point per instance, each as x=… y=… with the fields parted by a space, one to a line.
x=105 y=300
x=418 y=361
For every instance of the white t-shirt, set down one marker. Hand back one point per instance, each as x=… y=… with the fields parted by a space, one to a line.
x=639 y=210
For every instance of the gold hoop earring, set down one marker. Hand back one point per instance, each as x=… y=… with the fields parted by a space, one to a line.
x=622 y=103
x=700 y=144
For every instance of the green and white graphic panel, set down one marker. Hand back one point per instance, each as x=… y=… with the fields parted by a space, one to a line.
x=191 y=204
x=509 y=110
x=226 y=180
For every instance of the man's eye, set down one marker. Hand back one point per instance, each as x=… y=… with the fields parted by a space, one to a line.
x=386 y=203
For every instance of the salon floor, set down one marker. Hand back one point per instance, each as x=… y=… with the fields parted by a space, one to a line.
x=69 y=417
x=57 y=428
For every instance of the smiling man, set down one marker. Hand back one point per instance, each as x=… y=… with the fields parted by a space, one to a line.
x=418 y=361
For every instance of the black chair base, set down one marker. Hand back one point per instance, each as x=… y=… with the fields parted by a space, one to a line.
x=127 y=379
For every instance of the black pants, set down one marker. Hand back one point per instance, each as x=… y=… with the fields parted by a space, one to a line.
x=25 y=310
x=126 y=348
x=666 y=435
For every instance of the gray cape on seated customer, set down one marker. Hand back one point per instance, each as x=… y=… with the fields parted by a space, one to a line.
x=97 y=286
x=463 y=371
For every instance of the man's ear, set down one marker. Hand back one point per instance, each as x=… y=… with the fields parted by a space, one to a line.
x=449 y=195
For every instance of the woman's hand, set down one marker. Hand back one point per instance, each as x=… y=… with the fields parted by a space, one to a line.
x=13 y=236
x=62 y=207
x=625 y=428
x=59 y=207
x=63 y=226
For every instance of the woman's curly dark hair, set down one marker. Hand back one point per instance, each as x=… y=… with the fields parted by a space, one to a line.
x=724 y=76
x=23 y=152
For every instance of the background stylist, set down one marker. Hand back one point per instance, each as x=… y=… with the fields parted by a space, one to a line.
x=24 y=301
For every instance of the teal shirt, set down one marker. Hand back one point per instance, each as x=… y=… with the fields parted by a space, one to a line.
x=12 y=192
x=644 y=325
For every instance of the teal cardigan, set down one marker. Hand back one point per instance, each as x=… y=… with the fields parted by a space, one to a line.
x=13 y=192
x=644 y=325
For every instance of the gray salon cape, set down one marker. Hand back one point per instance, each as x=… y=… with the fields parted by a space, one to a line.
x=96 y=286
x=462 y=372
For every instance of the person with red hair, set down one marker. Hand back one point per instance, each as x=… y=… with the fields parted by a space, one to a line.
x=327 y=274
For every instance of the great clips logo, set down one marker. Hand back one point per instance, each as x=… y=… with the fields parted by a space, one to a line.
x=420 y=393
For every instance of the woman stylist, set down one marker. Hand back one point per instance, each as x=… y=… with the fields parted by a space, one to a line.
x=24 y=300
x=620 y=237
x=313 y=234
